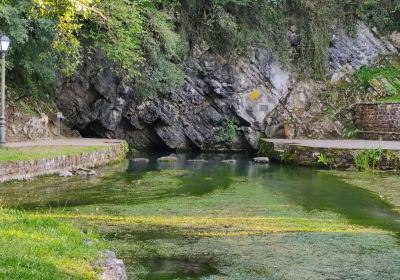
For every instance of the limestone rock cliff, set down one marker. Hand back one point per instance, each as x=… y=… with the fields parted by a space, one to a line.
x=222 y=104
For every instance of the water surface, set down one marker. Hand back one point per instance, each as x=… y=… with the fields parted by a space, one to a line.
x=176 y=191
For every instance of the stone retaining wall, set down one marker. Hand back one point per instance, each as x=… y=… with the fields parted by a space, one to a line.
x=340 y=158
x=27 y=169
x=378 y=121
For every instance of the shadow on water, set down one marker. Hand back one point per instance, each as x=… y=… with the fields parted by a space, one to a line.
x=119 y=187
x=315 y=190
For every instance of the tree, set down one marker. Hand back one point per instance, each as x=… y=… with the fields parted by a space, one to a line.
x=69 y=15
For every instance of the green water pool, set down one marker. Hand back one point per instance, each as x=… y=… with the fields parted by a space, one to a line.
x=212 y=220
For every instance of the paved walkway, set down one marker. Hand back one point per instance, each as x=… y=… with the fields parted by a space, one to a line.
x=341 y=144
x=76 y=142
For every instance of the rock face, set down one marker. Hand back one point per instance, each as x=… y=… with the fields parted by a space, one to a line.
x=222 y=104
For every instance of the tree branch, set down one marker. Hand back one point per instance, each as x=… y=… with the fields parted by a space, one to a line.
x=92 y=9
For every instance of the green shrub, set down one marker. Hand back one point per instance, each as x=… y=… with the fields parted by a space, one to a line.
x=148 y=40
x=228 y=130
x=368 y=160
x=324 y=160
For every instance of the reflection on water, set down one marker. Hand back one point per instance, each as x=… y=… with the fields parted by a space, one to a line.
x=311 y=189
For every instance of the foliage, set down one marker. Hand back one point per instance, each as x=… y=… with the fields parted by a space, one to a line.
x=368 y=160
x=149 y=40
x=228 y=130
x=351 y=132
x=30 y=56
x=120 y=36
x=324 y=160
x=383 y=77
x=368 y=84
x=231 y=26
x=163 y=49
x=35 y=246
x=68 y=15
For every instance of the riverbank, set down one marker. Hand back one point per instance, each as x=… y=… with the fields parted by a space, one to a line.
x=42 y=246
x=362 y=154
x=25 y=160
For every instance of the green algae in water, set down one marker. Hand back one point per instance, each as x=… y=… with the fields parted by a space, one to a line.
x=241 y=221
x=164 y=269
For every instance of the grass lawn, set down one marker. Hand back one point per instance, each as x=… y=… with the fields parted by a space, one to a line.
x=41 y=152
x=37 y=247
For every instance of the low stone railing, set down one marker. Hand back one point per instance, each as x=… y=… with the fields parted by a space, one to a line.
x=303 y=154
x=26 y=169
x=378 y=121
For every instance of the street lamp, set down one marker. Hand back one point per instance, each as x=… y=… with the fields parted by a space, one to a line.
x=4 y=44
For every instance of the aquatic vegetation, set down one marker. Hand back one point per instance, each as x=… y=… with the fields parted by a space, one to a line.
x=385 y=184
x=242 y=221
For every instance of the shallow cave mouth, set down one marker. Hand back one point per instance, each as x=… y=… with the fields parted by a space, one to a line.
x=92 y=130
x=149 y=140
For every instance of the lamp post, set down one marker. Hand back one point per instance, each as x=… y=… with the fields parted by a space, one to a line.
x=4 y=44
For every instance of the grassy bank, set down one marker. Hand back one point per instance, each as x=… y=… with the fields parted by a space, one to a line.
x=41 y=152
x=36 y=247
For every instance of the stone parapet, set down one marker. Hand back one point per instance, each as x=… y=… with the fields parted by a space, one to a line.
x=26 y=169
x=378 y=121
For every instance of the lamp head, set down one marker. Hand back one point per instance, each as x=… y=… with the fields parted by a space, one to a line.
x=4 y=43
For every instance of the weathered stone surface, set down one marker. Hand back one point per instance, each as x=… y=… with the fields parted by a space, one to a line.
x=65 y=173
x=37 y=128
x=255 y=94
x=84 y=172
x=261 y=160
x=229 y=161
x=378 y=121
x=140 y=160
x=112 y=268
x=395 y=39
x=168 y=159
x=350 y=53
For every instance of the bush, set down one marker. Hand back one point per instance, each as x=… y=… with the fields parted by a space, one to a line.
x=368 y=160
